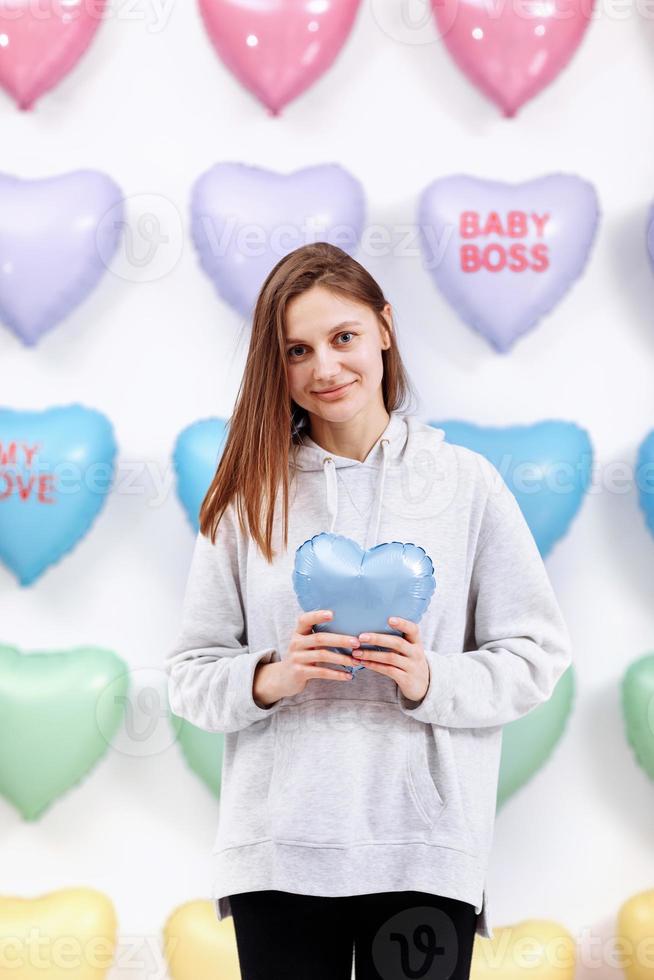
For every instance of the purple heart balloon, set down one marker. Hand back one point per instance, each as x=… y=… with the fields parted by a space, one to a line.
x=650 y=235
x=244 y=219
x=504 y=254
x=54 y=245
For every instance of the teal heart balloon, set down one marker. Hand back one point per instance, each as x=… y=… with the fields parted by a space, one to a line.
x=58 y=713
x=195 y=457
x=644 y=481
x=638 y=710
x=56 y=469
x=203 y=752
x=528 y=742
x=547 y=466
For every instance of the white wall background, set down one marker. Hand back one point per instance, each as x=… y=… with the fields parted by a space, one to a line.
x=152 y=106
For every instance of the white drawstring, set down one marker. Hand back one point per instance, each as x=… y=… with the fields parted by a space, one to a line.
x=380 y=493
x=332 y=489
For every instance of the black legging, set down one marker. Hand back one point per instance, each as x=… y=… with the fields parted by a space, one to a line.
x=395 y=935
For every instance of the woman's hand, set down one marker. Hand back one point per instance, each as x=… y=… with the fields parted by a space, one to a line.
x=289 y=676
x=404 y=662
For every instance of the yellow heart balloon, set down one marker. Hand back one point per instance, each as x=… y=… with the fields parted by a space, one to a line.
x=535 y=948
x=199 y=947
x=68 y=934
x=634 y=931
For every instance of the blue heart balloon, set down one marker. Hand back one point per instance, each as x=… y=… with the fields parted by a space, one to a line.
x=56 y=468
x=552 y=459
x=645 y=479
x=362 y=588
x=197 y=451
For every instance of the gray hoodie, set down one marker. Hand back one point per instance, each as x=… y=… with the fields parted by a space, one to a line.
x=350 y=788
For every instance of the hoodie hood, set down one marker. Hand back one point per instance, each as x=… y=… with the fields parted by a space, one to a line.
x=397 y=444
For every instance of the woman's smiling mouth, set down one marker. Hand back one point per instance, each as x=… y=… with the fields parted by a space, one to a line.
x=332 y=393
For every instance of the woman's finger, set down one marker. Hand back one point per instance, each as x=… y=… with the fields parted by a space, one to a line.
x=387 y=640
x=410 y=629
x=324 y=639
x=310 y=618
x=319 y=655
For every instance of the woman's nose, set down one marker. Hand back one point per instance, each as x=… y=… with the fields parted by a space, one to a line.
x=326 y=367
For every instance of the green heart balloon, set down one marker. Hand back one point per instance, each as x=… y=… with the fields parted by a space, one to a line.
x=202 y=750
x=638 y=710
x=528 y=742
x=58 y=713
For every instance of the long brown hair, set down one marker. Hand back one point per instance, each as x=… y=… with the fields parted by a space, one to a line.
x=266 y=423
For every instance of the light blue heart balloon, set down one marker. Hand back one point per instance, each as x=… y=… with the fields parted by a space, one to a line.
x=195 y=457
x=56 y=469
x=547 y=466
x=362 y=588
x=645 y=479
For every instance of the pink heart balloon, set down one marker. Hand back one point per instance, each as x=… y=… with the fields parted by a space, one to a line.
x=511 y=51
x=42 y=42
x=278 y=48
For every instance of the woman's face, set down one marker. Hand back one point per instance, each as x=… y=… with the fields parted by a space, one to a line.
x=333 y=341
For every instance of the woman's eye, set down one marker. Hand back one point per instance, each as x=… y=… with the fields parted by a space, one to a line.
x=291 y=351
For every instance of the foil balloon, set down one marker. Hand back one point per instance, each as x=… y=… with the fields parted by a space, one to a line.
x=362 y=588
x=528 y=742
x=196 y=455
x=198 y=946
x=650 y=235
x=278 y=48
x=511 y=51
x=57 y=237
x=503 y=255
x=244 y=219
x=645 y=479
x=547 y=465
x=637 y=695
x=56 y=469
x=69 y=934
x=59 y=711
x=530 y=948
x=40 y=47
x=202 y=750
x=632 y=940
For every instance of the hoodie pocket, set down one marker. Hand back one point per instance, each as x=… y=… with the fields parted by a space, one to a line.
x=426 y=792
x=350 y=771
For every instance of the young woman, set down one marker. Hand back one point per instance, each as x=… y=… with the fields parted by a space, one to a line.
x=357 y=806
